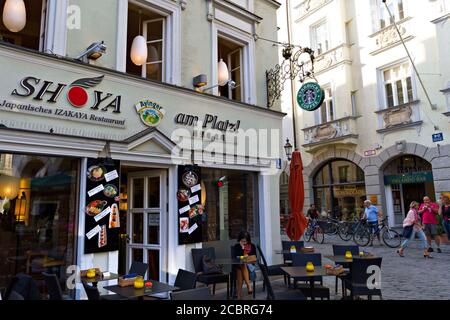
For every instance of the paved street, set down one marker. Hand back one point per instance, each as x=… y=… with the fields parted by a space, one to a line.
x=409 y=278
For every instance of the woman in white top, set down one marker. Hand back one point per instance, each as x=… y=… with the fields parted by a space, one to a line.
x=413 y=220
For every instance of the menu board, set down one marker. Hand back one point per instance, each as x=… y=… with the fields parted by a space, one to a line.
x=191 y=211
x=102 y=217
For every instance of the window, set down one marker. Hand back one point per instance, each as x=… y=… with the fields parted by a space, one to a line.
x=38 y=205
x=232 y=54
x=398 y=87
x=339 y=189
x=354 y=106
x=231 y=206
x=153 y=27
x=320 y=40
x=32 y=36
x=395 y=7
x=327 y=113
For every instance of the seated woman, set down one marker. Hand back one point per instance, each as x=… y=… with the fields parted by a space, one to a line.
x=244 y=272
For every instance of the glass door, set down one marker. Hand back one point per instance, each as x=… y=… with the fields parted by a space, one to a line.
x=147 y=221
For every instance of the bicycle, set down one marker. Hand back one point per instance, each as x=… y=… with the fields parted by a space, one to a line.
x=330 y=226
x=315 y=232
x=363 y=234
x=347 y=229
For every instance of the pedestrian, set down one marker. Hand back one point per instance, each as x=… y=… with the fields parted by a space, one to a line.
x=371 y=214
x=412 y=226
x=445 y=214
x=429 y=212
x=313 y=213
x=244 y=272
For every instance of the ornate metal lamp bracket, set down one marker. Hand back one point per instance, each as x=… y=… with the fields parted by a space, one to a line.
x=291 y=68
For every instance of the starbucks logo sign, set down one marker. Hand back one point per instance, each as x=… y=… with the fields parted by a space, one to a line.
x=310 y=96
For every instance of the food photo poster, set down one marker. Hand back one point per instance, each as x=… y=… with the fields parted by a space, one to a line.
x=102 y=220
x=191 y=207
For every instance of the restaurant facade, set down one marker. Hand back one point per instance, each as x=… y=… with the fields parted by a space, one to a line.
x=100 y=166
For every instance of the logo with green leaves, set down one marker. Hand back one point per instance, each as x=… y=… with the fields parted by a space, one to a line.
x=151 y=113
x=310 y=96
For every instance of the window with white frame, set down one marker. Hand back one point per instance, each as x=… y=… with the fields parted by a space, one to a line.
x=320 y=38
x=396 y=7
x=398 y=85
x=232 y=54
x=327 y=112
x=32 y=36
x=152 y=26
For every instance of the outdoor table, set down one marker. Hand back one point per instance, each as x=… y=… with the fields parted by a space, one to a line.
x=234 y=262
x=130 y=292
x=300 y=272
x=289 y=251
x=342 y=260
x=100 y=278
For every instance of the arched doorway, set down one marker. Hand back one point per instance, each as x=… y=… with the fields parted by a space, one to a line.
x=406 y=179
x=340 y=189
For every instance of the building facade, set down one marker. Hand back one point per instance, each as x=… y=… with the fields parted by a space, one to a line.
x=377 y=134
x=87 y=133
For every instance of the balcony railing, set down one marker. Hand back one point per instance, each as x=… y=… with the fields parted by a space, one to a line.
x=403 y=116
x=388 y=37
x=332 y=58
x=341 y=130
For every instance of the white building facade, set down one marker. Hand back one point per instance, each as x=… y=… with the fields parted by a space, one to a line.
x=373 y=137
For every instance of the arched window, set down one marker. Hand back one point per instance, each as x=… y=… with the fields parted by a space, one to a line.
x=340 y=189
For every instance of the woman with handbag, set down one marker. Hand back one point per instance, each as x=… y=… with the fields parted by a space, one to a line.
x=244 y=272
x=412 y=226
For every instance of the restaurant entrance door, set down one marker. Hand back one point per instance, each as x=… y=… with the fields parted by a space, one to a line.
x=147 y=221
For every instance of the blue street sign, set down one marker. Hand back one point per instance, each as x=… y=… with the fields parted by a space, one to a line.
x=438 y=137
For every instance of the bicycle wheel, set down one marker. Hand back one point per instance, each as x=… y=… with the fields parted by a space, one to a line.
x=391 y=238
x=308 y=234
x=332 y=229
x=345 y=232
x=362 y=237
x=319 y=235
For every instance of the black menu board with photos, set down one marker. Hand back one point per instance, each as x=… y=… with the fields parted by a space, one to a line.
x=102 y=217
x=191 y=212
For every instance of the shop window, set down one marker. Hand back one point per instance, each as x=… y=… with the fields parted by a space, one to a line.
x=38 y=209
x=232 y=54
x=32 y=35
x=339 y=190
x=152 y=26
x=319 y=37
x=231 y=204
x=398 y=85
x=285 y=210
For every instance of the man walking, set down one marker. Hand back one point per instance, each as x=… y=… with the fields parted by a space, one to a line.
x=429 y=212
x=371 y=214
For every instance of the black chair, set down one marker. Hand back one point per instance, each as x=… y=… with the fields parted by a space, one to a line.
x=340 y=250
x=192 y=294
x=138 y=268
x=359 y=279
x=274 y=270
x=285 y=295
x=53 y=287
x=208 y=279
x=185 y=280
x=286 y=245
x=25 y=286
x=300 y=260
x=233 y=276
x=91 y=291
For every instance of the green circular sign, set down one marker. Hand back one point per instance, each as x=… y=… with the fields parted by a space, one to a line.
x=310 y=96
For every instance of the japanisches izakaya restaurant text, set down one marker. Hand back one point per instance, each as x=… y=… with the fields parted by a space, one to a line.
x=90 y=174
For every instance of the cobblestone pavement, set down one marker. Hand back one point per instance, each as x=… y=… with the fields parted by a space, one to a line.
x=409 y=278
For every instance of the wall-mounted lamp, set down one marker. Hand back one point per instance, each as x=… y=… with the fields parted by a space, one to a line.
x=223 y=78
x=139 y=51
x=93 y=52
x=288 y=149
x=14 y=15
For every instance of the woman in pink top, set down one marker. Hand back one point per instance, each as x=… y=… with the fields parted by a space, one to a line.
x=429 y=212
x=413 y=220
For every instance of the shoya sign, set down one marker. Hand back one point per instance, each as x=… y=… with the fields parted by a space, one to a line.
x=77 y=101
x=77 y=93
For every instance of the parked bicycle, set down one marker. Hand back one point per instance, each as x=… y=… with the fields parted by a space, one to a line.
x=330 y=226
x=363 y=235
x=347 y=229
x=314 y=232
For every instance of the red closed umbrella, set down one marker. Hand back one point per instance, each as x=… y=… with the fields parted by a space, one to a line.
x=297 y=221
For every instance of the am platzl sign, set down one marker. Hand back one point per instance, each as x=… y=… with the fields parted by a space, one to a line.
x=105 y=105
